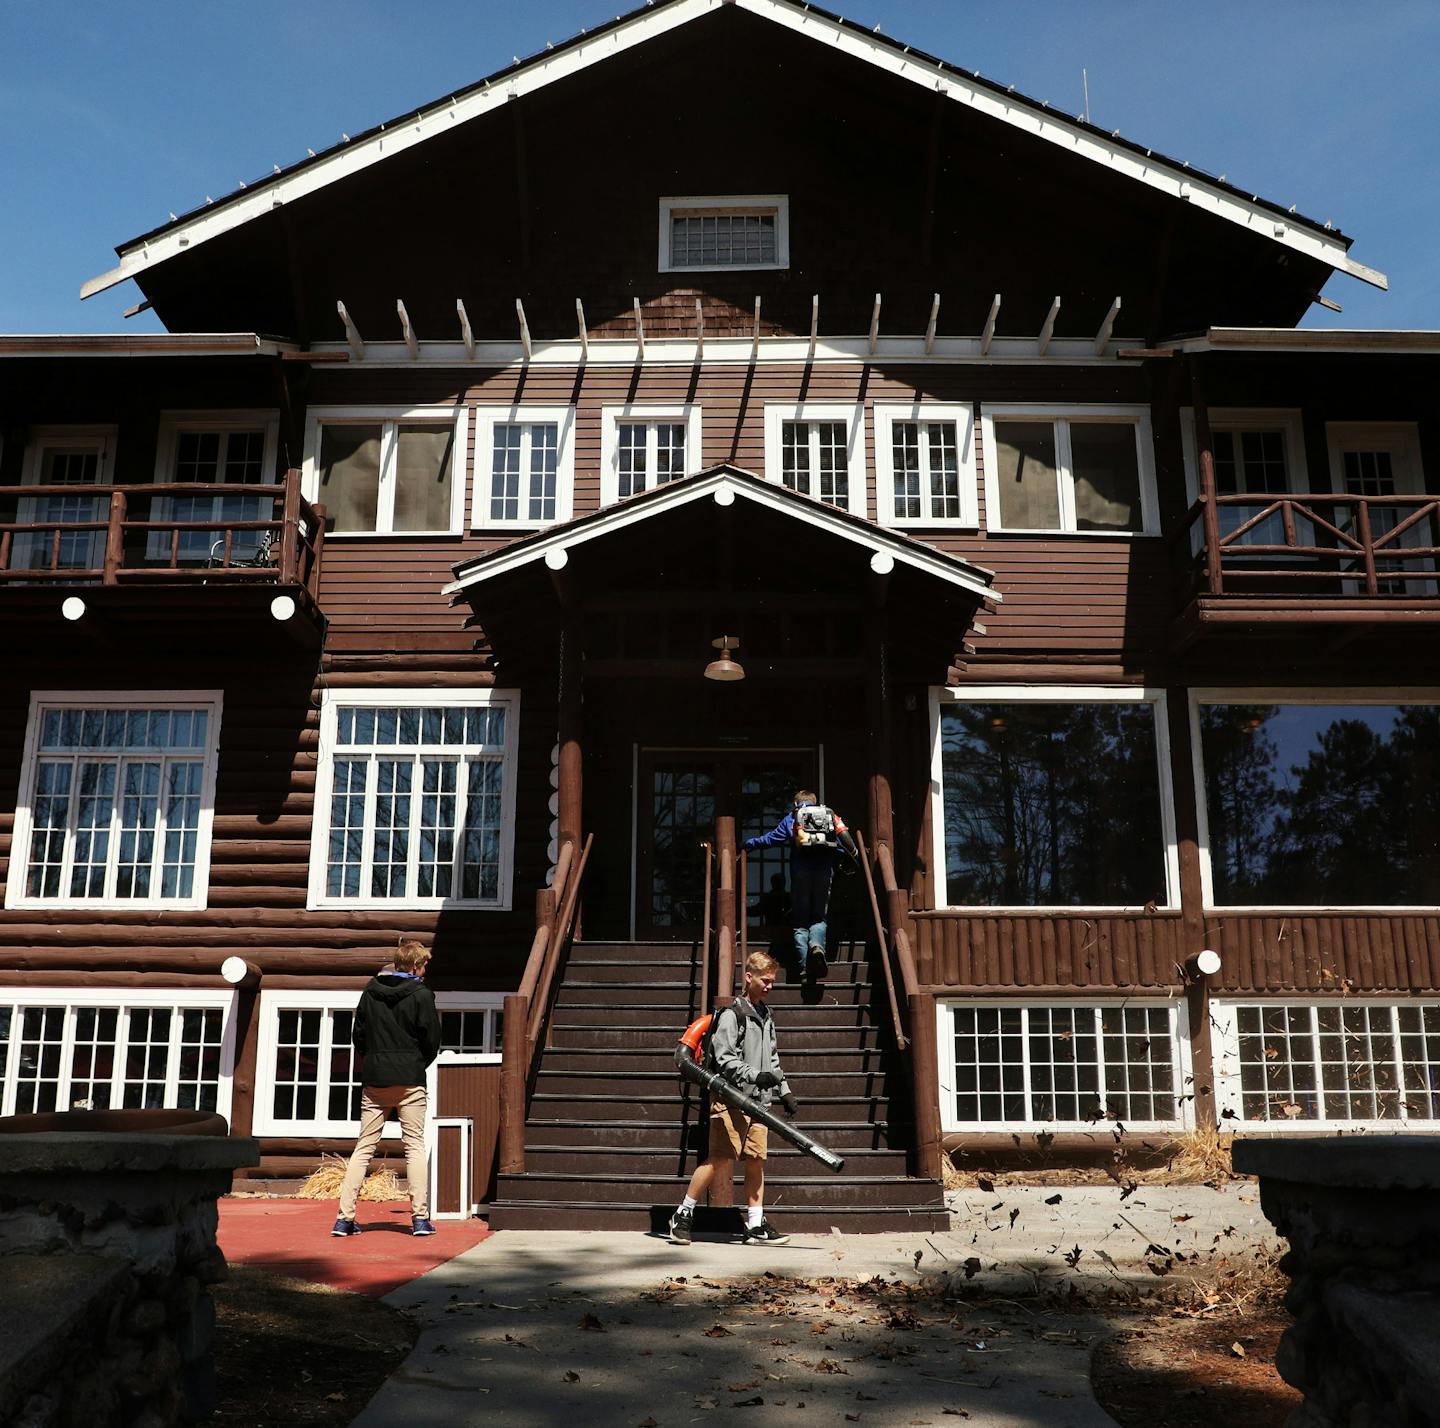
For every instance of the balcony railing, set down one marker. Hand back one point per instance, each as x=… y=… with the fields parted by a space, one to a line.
x=186 y=532
x=1306 y=544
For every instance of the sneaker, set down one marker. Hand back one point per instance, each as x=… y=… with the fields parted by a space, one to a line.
x=819 y=963
x=682 y=1223
x=763 y=1234
x=345 y=1227
x=421 y=1226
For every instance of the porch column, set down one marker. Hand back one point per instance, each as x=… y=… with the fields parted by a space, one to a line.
x=1192 y=903
x=879 y=810
x=569 y=812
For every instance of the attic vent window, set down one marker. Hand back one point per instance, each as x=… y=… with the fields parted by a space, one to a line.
x=724 y=234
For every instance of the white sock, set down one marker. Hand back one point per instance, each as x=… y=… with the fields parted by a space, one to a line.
x=688 y=1203
x=754 y=1215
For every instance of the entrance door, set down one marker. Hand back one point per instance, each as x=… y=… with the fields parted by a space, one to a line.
x=679 y=795
x=1384 y=460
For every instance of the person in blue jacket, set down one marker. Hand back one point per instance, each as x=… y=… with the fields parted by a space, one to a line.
x=818 y=841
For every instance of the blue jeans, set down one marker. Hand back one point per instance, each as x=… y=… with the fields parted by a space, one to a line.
x=810 y=879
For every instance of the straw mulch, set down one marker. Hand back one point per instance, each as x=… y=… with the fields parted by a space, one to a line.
x=325 y=1183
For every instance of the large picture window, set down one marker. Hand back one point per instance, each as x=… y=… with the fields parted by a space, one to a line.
x=416 y=798
x=1308 y=1064
x=1052 y=799
x=116 y=800
x=1319 y=802
x=387 y=471
x=1063 y=1066
x=1082 y=469
x=104 y=1050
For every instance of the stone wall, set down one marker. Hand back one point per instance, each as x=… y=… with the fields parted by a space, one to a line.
x=1363 y=1220
x=107 y=1249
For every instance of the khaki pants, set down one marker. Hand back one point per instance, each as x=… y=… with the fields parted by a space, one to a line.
x=375 y=1103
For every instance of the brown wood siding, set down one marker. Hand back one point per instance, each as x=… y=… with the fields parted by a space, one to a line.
x=474 y=1092
x=1339 y=952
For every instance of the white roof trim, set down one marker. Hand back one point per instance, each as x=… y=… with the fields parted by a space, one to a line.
x=718 y=486
x=157 y=344
x=1022 y=114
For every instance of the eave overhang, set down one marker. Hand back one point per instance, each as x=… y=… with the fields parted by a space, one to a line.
x=161 y=344
x=1353 y=341
x=1265 y=219
x=726 y=486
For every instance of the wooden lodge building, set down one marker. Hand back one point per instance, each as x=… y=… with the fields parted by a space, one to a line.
x=378 y=597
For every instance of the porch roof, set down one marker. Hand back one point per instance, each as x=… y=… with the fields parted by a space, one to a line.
x=725 y=485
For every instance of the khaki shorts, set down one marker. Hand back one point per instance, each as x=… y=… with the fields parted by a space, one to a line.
x=734 y=1136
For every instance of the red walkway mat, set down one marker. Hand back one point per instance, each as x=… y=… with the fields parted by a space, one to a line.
x=293 y=1237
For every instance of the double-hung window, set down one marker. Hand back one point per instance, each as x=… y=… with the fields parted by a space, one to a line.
x=101 y=1050
x=117 y=794
x=524 y=466
x=415 y=799
x=725 y=233
x=1060 y=1065
x=925 y=464
x=1305 y=1064
x=642 y=447
x=214 y=449
x=1052 y=797
x=308 y=1071
x=818 y=449
x=73 y=458
x=387 y=471
x=1259 y=456
x=1089 y=470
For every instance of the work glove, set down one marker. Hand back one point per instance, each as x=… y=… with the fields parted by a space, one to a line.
x=790 y=1103
x=766 y=1080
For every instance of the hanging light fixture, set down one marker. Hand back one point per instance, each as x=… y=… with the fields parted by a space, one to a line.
x=722 y=667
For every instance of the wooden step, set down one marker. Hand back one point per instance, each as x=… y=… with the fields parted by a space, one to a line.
x=676 y=1159
x=624 y=1107
x=797 y=1020
x=811 y=1191
x=791 y=1220
x=658 y=1057
x=847 y=1085
x=683 y=1130
x=672 y=994
x=572 y=1038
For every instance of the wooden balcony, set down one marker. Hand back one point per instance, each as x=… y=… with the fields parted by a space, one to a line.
x=173 y=549
x=1275 y=565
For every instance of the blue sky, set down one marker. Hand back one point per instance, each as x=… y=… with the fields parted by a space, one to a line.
x=114 y=116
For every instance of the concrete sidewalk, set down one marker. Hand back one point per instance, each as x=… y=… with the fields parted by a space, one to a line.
x=530 y=1329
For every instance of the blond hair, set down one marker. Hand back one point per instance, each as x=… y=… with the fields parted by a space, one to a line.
x=411 y=956
x=761 y=964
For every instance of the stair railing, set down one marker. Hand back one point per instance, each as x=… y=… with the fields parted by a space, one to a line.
x=923 y=1047
x=883 y=943
x=703 y=1006
x=527 y=1011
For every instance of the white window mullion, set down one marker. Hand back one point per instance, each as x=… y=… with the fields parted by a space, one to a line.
x=172 y=1056
x=412 y=828
x=385 y=498
x=1024 y=1062
x=1065 y=475
x=462 y=812
x=67 y=1055
x=122 y=1044
x=368 y=833
x=1398 y=1064
x=322 y=1064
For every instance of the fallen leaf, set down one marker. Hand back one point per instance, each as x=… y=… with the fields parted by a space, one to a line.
x=852 y=1417
x=571 y=1376
x=741 y=1387
x=1238 y=1349
x=589 y=1321
x=336 y=1397
x=828 y=1366
x=717 y=1331
x=972 y=1267
x=748 y=1402
x=648 y=1423
x=1014 y=1215
x=988 y=1186
x=957 y=1412
x=1054 y=1199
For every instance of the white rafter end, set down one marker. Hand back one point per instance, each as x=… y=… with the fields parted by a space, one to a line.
x=524 y=328
x=875 y=324
x=412 y=343
x=699 y=330
x=352 y=333
x=755 y=339
x=639 y=329
x=1102 y=338
x=1048 y=330
x=584 y=331
x=988 y=336
x=814 y=325
x=467 y=336
x=930 y=326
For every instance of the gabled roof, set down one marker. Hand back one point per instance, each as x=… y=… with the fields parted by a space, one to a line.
x=725 y=485
x=657 y=17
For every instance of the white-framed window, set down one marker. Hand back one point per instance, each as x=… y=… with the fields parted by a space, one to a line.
x=116 y=799
x=645 y=445
x=1317 y=798
x=218 y=448
x=925 y=465
x=415 y=799
x=1258 y=452
x=724 y=234
x=101 y=1049
x=818 y=449
x=1309 y=1064
x=1382 y=460
x=1062 y=1065
x=308 y=1071
x=387 y=470
x=1052 y=796
x=1087 y=470
x=77 y=456
x=524 y=466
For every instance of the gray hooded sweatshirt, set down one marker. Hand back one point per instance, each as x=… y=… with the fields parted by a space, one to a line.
x=744 y=1045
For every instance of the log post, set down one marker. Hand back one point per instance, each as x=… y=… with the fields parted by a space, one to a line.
x=1192 y=904
x=114 y=540
x=570 y=812
x=1205 y=454
x=290 y=530
x=725 y=906
x=880 y=819
x=514 y=1069
x=925 y=1084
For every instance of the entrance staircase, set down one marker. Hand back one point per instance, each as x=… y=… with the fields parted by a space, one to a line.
x=613 y=1132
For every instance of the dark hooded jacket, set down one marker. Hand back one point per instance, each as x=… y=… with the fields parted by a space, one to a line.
x=397 y=1030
